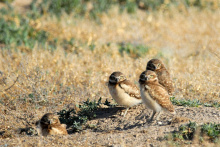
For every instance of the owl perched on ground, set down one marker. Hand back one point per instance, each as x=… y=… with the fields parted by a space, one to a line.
x=163 y=75
x=123 y=91
x=153 y=94
x=49 y=124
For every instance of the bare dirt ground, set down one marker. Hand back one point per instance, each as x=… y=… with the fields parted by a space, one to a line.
x=109 y=128
x=188 y=42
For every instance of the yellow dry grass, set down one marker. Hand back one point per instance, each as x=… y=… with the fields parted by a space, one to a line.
x=187 y=42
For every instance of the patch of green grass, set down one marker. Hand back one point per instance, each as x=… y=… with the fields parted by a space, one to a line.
x=152 y=4
x=202 y=4
x=211 y=130
x=34 y=12
x=214 y=104
x=193 y=103
x=83 y=7
x=135 y=51
x=76 y=120
x=163 y=4
x=58 y=6
x=94 y=8
x=15 y=30
x=78 y=7
x=188 y=132
x=184 y=102
x=129 y=5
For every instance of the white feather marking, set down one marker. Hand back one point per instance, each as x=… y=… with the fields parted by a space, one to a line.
x=56 y=131
x=122 y=98
x=148 y=101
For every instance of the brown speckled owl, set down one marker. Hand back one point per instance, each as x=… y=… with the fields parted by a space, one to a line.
x=123 y=91
x=154 y=95
x=163 y=75
x=49 y=124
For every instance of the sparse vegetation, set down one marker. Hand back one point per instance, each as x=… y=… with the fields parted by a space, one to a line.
x=61 y=56
x=190 y=131
x=16 y=30
x=94 y=8
x=20 y=34
x=212 y=131
x=134 y=51
x=193 y=103
x=74 y=119
x=186 y=132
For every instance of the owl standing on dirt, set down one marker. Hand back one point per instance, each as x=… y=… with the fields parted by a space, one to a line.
x=163 y=75
x=123 y=91
x=154 y=95
x=49 y=124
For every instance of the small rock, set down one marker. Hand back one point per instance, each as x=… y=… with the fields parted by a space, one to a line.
x=160 y=123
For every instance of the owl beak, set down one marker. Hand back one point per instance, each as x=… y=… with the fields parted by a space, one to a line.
x=146 y=78
x=50 y=122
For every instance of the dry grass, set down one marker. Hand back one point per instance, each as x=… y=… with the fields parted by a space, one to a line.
x=188 y=43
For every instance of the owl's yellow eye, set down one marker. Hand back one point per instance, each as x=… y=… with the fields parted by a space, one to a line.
x=151 y=76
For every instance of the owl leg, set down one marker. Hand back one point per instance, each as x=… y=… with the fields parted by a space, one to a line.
x=125 y=112
x=141 y=115
x=152 y=116
x=158 y=116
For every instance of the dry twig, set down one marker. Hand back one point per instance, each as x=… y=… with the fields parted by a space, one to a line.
x=11 y=85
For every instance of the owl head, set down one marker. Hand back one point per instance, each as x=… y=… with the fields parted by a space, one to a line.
x=116 y=77
x=49 y=119
x=148 y=76
x=154 y=65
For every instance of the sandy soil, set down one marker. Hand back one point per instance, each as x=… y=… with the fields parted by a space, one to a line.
x=109 y=128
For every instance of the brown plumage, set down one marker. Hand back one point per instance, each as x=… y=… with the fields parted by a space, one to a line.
x=123 y=91
x=153 y=94
x=163 y=75
x=49 y=124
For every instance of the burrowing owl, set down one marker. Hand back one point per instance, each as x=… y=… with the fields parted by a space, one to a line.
x=123 y=91
x=163 y=75
x=49 y=124
x=153 y=94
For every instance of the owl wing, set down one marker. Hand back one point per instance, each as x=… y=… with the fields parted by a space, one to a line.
x=130 y=89
x=58 y=129
x=63 y=129
x=161 y=96
x=165 y=80
x=63 y=125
